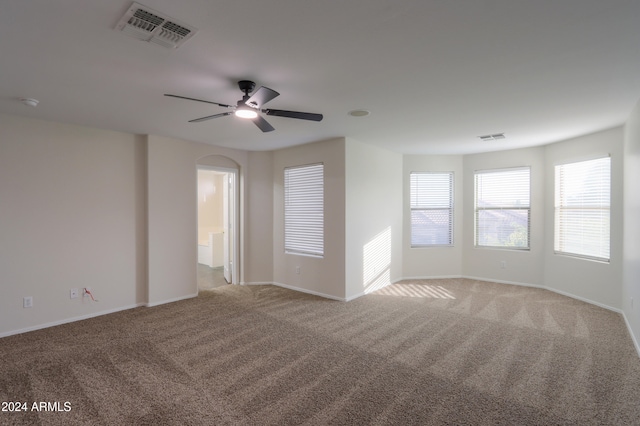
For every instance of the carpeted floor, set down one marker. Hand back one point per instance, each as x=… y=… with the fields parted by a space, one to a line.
x=457 y=352
x=210 y=278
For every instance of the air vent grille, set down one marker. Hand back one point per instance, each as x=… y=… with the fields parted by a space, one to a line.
x=492 y=137
x=172 y=26
x=146 y=24
x=147 y=18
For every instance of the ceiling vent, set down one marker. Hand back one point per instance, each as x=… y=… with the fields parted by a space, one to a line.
x=493 y=137
x=146 y=24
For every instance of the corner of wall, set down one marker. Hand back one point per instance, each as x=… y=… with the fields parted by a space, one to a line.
x=631 y=237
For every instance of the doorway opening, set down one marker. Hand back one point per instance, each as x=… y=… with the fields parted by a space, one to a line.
x=217 y=240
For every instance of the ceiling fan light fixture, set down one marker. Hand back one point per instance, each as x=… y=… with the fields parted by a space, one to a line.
x=250 y=106
x=246 y=112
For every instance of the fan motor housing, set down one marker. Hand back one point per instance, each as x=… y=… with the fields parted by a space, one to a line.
x=246 y=86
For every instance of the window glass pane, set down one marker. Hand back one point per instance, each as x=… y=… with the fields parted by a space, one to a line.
x=431 y=200
x=431 y=227
x=503 y=228
x=502 y=208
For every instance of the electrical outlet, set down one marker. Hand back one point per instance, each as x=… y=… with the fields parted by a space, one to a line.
x=27 y=302
x=73 y=293
x=503 y=264
x=298 y=270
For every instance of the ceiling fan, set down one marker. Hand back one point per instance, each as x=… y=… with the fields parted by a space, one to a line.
x=250 y=107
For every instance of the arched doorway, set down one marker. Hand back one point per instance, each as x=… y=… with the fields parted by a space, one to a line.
x=218 y=219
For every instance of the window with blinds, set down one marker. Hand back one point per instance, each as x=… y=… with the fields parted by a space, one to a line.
x=304 y=210
x=431 y=196
x=503 y=208
x=582 y=209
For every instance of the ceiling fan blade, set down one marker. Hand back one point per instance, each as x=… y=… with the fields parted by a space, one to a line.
x=199 y=100
x=263 y=124
x=294 y=114
x=210 y=117
x=261 y=97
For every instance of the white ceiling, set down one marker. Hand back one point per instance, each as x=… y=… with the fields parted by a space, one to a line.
x=435 y=74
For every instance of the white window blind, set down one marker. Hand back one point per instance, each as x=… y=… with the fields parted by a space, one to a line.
x=431 y=196
x=304 y=210
x=503 y=208
x=582 y=208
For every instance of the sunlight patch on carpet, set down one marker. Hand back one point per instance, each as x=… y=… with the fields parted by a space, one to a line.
x=416 y=290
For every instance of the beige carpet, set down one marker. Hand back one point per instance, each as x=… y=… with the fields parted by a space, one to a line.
x=424 y=352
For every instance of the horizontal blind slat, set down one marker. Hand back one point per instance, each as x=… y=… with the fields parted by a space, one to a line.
x=582 y=208
x=431 y=201
x=502 y=208
x=304 y=209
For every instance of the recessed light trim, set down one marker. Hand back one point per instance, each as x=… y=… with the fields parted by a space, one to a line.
x=30 y=102
x=359 y=113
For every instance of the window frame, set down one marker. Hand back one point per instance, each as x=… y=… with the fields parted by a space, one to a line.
x=304 y=229
x=557 y=239
x=477 y=209
x=450 y=208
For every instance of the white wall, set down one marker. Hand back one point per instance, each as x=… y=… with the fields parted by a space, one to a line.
x=113 y=211
x=522 y=266
x=72 y=215
x=323 y=276
x=117 y=212
x=432 y=262
x=631 y=238
x=373 y=237
x=596 y=282
x=258 y=221
x=172 y=215
x=210 y=200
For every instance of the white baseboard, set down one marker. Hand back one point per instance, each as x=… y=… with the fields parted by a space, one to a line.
x=433 y=277
x=636 y=344
x=355 y=296
x=564 y=293
x=69 y=320
x=583 y=299
x=303 y=290
x=633 y=337
x=315 y=293
x=177 y=299
x=492 y=280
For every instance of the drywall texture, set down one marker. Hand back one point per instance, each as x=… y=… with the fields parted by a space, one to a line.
x=117 y=212
x=631 y=237
x=433 y=261
x=373 y=218
x=172 y=214
x=72 y=215
x=597 y=282
x=324 y=276
x=258 y=218
x=522 y=266
x=210 y=200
